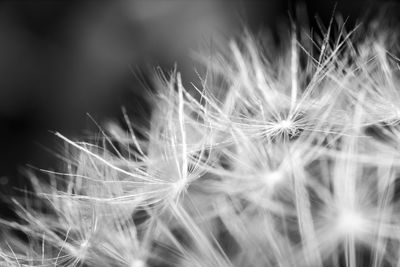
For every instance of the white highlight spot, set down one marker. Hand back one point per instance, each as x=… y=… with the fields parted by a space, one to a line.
x=179 y=186
x=84 y=244
x=350 y=222
x=273 y=178
x=137 y=263
x=285 y=124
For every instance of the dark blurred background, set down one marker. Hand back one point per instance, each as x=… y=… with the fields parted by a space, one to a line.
x=62 y=59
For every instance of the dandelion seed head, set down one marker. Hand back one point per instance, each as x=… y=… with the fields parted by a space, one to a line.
x=214 y=163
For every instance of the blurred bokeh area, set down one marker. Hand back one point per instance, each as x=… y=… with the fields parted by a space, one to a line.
x=60 y=60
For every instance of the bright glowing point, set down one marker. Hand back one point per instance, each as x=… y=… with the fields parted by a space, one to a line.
x=137 y=263
x=84 y=244
x=285 y=124
x=273 y=178
x=350 y=222
x=179 y=186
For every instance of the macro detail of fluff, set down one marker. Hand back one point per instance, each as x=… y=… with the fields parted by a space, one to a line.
x=280 y=158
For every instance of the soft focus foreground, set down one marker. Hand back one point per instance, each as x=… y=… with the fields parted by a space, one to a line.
x=285 y=157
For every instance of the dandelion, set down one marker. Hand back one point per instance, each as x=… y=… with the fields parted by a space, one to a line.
x=282 y=159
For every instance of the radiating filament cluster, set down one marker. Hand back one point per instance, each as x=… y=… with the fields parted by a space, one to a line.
x=278 y=159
